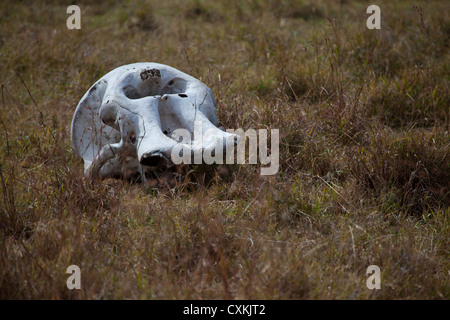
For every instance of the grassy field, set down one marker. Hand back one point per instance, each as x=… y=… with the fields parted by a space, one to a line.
x=364 y=153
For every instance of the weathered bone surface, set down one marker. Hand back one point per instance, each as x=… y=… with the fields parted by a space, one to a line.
x=124 y=124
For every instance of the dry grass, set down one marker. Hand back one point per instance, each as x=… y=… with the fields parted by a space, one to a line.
x=364 y=177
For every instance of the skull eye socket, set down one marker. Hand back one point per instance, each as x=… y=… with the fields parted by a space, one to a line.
x=131 y=92
x=182 y=95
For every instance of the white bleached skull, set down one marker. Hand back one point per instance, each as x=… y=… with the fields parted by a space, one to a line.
x=125 y=122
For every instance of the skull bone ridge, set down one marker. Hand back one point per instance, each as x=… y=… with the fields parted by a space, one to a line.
x=127 y=121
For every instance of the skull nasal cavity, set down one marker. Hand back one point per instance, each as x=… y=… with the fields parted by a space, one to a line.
x=153 y=161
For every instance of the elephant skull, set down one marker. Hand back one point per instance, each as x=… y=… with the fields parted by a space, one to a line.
x=127 y=122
